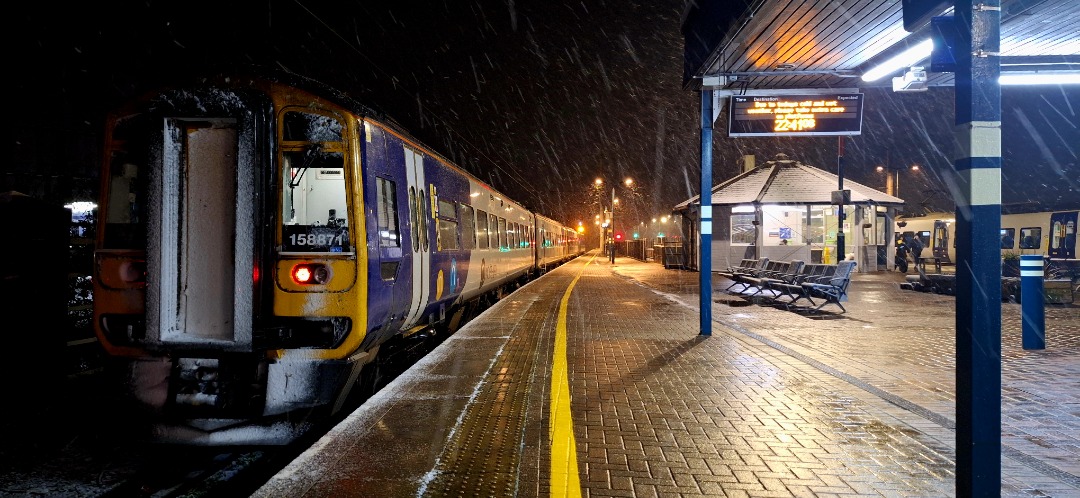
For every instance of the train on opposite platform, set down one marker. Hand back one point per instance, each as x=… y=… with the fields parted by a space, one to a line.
x=262 y=237
x=1050 y=233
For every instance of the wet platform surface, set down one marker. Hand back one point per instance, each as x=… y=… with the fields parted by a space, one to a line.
x=774 y=403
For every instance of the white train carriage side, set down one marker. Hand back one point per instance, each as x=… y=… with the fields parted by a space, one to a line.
x=555 y=243
x=503 y=237
x=1051 y=233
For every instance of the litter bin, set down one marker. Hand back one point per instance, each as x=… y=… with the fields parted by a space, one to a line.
x=673 y=256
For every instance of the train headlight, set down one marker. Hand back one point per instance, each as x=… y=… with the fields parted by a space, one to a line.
x=311 y=274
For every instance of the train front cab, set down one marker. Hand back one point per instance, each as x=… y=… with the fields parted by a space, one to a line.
x=228 y=277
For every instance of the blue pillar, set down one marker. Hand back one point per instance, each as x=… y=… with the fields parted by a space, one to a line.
x=705 y=210
x=1032 y=307
x=978 y=222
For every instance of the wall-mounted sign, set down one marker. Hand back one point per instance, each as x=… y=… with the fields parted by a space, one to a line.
x=795 y=115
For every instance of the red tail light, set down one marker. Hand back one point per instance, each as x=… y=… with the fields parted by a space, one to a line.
x=311 y=274
x=133 y=271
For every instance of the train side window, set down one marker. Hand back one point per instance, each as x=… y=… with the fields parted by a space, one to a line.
x=387 y=213
x=468 y=226
x=482 y=240
x=448 y=226
x=1031 y=238
x=1008 y=238
x=502 y=234
x=493 y=230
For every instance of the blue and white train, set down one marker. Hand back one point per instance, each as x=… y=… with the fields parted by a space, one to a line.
x=260 y=238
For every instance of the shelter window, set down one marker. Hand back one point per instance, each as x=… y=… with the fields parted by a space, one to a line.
x=870 y=234
x=816 y=226
x=743 y=230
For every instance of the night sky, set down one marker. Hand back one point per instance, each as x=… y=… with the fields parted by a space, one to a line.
x=537 y=98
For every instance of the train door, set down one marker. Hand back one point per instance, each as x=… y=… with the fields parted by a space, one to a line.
x=940 y=239
x=1062 y=235
x=200 y=284
x=419 y=214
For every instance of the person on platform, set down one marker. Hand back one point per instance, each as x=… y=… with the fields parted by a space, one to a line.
x=916 y=250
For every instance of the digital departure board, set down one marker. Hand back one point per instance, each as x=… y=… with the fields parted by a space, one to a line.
x=795 y=115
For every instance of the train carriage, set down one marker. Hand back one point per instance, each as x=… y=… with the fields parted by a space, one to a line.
x=1051 y=233
x=259 y=242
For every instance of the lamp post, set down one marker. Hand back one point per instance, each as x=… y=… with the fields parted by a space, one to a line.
x=601 y=225
x=892 y=178
x=613 y=200
x=892 y=175
x=629 y=182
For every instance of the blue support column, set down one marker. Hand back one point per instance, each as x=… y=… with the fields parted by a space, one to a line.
x=978 y=275
x=705 y=210
x=1032 y=302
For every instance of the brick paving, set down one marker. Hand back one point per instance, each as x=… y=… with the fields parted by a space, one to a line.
x=774 y=403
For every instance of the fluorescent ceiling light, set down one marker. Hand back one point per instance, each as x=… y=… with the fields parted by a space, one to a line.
x=902 y=60
x=1062 y=78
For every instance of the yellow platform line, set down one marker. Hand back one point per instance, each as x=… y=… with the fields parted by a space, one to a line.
x=564 y=468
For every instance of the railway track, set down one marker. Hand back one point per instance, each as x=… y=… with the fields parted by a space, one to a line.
x=75 y=439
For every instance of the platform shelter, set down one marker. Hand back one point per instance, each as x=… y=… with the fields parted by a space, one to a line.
x=783 y=210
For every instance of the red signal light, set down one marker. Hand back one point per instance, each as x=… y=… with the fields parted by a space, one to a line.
x=311 y=273
x=618 y=236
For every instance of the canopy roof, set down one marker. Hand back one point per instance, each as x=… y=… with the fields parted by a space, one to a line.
x=787 y=181
x=829 y=44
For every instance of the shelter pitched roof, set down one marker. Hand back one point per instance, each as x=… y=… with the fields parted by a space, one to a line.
x=787 y=181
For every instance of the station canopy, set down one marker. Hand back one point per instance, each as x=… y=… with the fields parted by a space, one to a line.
x=804 y=44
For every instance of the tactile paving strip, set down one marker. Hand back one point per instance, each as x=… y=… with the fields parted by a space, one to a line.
x=484 y=456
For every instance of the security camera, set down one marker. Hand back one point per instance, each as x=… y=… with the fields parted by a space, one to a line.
x=913 y=80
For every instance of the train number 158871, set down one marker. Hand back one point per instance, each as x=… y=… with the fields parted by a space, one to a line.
x=306 y=238
x=315 y=239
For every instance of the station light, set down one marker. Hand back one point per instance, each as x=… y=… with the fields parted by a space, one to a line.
x=903 y=60
x=1045 y=78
